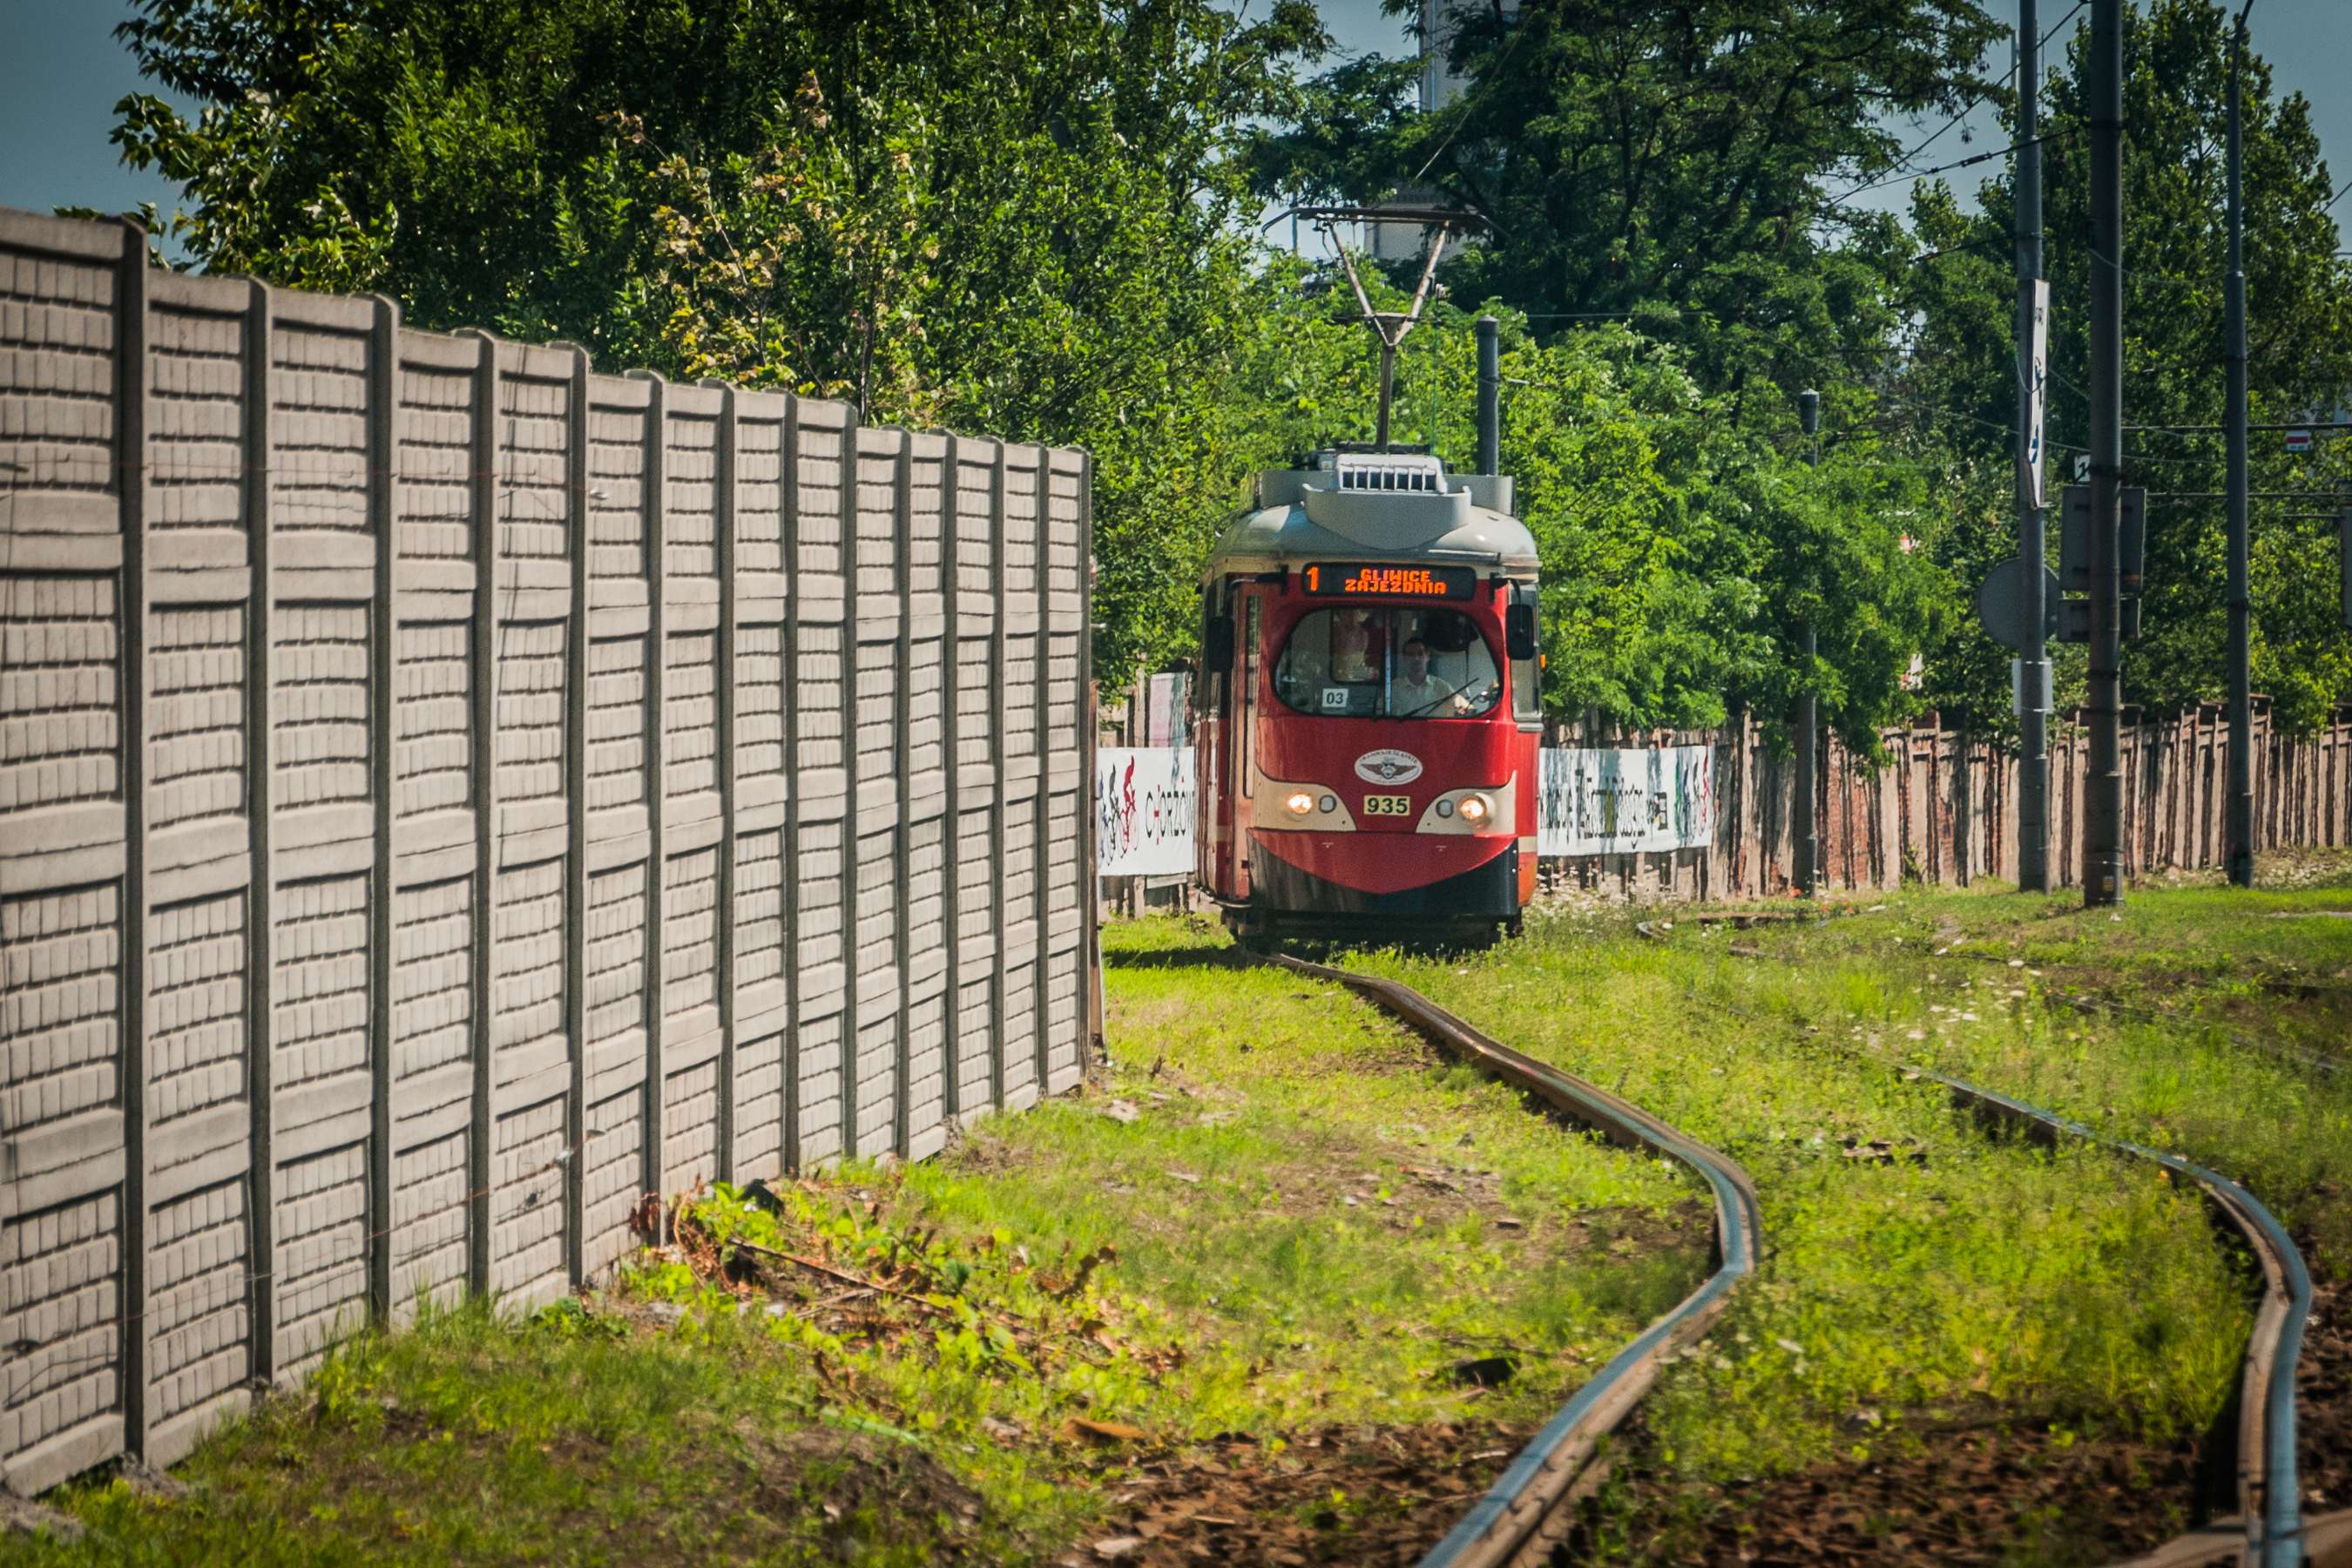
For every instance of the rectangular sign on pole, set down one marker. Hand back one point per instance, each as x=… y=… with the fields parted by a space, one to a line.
x=1143 y=811
x=1622 y=801
x=2037 y=389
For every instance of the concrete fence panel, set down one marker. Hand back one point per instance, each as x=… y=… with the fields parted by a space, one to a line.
x=449 y=793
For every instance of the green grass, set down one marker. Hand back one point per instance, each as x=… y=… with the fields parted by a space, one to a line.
x=1248 y=1293
x=1954 y=1274
x=2213 y=1012
x=1286 y=1098
x=483 y=1439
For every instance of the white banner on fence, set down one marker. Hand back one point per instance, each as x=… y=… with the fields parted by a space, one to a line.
x=1617 y=801
x=1595 y=800
x=1143 y=811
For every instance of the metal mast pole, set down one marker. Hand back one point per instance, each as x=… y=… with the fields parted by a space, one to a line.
x=2102 y=790
x=2238 y=827
x=1490 y=395
x=1806 y=821
x=2032 y=718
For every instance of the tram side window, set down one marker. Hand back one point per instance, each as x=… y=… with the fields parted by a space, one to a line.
x=1358 y=662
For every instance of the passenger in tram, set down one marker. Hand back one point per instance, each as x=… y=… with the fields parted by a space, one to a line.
x=1356 y=647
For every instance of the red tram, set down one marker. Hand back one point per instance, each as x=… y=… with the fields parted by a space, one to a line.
x=1366 y=721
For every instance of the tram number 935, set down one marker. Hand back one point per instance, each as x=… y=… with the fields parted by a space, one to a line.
x=1388 y=805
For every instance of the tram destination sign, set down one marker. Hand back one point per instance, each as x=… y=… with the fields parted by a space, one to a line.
x=1367 y=580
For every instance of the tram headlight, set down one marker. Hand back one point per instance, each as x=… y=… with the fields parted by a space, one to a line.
x=1477 y=809
x=1300 y=803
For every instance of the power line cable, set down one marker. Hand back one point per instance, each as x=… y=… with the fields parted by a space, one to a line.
x=1946 y=168
x=1487 y=78
x=1969 y=107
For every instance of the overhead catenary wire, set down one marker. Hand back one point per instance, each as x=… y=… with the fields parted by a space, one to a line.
x=1958 y=163
x=1903 y=163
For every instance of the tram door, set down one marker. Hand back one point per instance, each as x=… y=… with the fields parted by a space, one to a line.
x=1240 y=757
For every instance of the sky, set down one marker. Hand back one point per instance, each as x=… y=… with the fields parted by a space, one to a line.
x=2308 y=44
x=61 y=73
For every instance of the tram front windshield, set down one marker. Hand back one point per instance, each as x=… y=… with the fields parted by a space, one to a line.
x=1387 y=662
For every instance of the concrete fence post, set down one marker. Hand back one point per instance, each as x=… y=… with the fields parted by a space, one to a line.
x=654 y=482
x=902 y=574
x=852 y=449
x=999 y=680
x=789 y=461
x=486 y=675
x=260 y=768
x=134 y=411
x=724 y=522
x=382 y=398
x=1090 y=1002
x=951 y=763
x=1041 y=837
x=578 y=482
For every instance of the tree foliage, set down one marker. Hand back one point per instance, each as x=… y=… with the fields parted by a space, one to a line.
x=1666 y=162
x=1959 y=387
x=1038 y=219
x=1019 y=218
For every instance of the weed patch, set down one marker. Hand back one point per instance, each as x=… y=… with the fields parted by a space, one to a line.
x=1282 y=1285
x=1921 y=1272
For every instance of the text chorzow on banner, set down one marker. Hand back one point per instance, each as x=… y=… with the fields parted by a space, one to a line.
x=1143 y=811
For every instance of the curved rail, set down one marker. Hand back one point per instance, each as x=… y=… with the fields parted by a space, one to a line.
x=2269 y=1530
x=1521 y=1516
x=2269 y=1526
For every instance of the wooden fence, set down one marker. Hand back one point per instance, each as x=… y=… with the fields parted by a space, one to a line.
x=1943 y=808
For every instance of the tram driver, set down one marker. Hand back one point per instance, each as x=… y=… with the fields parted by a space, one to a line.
x=1418 y=692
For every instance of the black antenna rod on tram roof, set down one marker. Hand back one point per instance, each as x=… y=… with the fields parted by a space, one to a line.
x=1390 y=327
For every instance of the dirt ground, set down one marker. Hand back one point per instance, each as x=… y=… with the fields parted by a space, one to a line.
x=1963 y=1496
x=2324 y=1401
x=1369 y=1495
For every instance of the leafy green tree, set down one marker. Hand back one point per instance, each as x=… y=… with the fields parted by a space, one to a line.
x=1025 y=219
x=1958 y=385
x=1665 y=161
x=1680 y=554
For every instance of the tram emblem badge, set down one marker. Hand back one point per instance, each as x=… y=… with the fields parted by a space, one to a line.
x=1388 y=766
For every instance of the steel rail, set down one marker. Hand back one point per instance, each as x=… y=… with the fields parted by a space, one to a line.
x=1522 y=1515
x=2269 y=1530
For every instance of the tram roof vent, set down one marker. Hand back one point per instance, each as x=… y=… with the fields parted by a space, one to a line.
x=1389 y=472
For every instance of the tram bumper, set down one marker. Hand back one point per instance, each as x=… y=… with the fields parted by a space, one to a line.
x=1376 y=876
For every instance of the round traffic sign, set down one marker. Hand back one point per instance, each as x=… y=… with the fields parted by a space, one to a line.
x=2000 y=604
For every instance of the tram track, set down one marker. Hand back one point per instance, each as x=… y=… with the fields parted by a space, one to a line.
x=1527 y=1511
x=2268 y=1529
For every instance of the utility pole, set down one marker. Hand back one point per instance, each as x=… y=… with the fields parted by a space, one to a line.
x=2032 y=545
x=1490 y=395
x=2102 y=790
x=1808 y=827
x=2238 y=821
